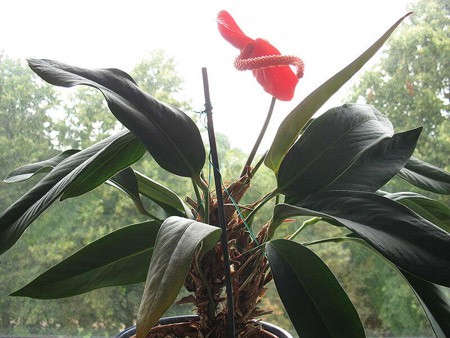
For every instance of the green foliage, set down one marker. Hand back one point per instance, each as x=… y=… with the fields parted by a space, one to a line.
x=156 y=76
x=25 y=105
x=389 y=306
x=80 y=121
x=294 y=123
x=106 y=257
x=411 y=85
x=331 y=173
x=85 y=118
x=302 y=278
x=179 y=242
x=376 y=145
x=169 y=134
x=393 y=230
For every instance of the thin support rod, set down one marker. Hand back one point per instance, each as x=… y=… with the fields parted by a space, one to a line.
x=220 y=206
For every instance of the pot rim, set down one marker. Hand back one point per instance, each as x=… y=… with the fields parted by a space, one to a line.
x=278 y=331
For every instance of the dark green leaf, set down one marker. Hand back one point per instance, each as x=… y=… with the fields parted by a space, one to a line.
x=119 y=258
x=176 y=244
x=16 y=219
x=162 y=196
x=314 y=300
x=426 y=176
x=434 y=302
x=105 y=165
x=170 y=136
x=399 y=234
x=328 y=147
x=434 y=211
x=29 y=170
x=378 y=164
x=292 y=125
x=126 y=182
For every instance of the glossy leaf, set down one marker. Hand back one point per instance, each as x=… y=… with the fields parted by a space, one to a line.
x=178 y=240
x=162 y=196
x=29 y=170
x=434 y=211
x=314 y=300
x=426 y=176
x=409 y=241
x=290 y=128
x=119 y=258
x=170 y=136
x=329 y=146
x=434 y=302
x=378 y=164
x=126 y=182
x=16 y=219
x=104 y=166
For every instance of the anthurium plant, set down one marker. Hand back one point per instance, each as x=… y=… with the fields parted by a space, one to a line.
x=329 y=168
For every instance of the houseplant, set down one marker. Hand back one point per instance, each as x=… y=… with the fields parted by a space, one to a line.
x=329 y=168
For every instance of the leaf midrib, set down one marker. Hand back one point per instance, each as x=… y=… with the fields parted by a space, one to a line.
x=307 y=292
x=98 y=267
x=320 y=154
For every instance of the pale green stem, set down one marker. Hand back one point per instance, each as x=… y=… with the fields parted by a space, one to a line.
x=260 y=137
x=327 y=240
x=207 y=205
x=200 y=182
x=304 y=225
x=200 y=203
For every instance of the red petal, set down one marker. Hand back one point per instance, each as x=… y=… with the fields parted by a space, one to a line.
x=231 y=31
x=263 y=47
x=279 y=81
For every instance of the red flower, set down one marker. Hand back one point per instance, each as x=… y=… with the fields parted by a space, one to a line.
x=270 y=68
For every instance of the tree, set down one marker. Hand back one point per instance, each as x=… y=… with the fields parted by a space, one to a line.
x=25 y=106
x=157 y=76
x=25 y=103
x=411 y=83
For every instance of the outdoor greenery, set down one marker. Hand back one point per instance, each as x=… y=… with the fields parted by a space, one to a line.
x=37 y=124
x=411 y=83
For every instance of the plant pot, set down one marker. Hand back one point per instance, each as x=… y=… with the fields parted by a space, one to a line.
x=273 y=329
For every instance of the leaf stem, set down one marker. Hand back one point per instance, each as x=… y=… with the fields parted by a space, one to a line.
x=327 y=240
x=260 y=137
x=304 y=225
x=200 y=204
x=260 y=204
x=220 y=207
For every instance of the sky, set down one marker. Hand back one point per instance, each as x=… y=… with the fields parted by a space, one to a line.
x=326 y=34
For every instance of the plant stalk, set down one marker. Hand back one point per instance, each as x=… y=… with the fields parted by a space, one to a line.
x=260 y=137
x=220 y=206
x=310 y=221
